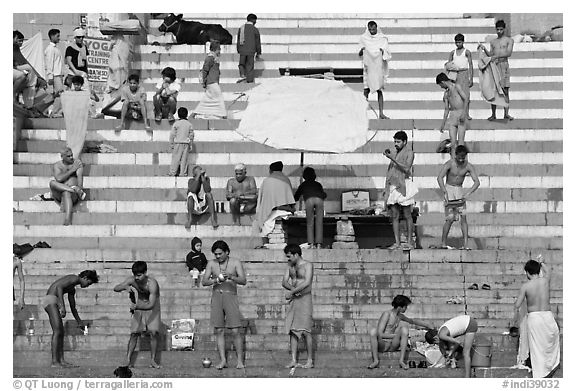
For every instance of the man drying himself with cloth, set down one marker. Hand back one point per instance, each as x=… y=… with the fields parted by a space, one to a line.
x=456 y=335
x=298 y=281
x=224 y=274
x=275 y=200
x=54 y=306
x=455 y=170
x=399 y=190
x=145 y=309
x=500 y=49
x=543 y=332
x=375 y=54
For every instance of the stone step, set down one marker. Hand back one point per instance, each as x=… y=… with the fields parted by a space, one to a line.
x=526 y=200
x=174 y=231
x=167 y=218
x=338 y=62
x=419 y=170
x=430 y=182
x=231 y=157
x=250 y=242
x=521 y=126
x=357 y=21
x=334 y=51
x=274 y=259
x=506 y=139
x=303 y=40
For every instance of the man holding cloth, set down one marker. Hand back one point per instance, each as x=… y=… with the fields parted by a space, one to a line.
x=375 y=55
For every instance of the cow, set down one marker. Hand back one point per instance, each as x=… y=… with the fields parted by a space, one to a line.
x=194 y=33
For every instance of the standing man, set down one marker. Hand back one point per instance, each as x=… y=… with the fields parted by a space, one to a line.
x=54 y=76
x=501 y=48
x=455 y=103
x=18 y=254
x=224 y=274
x=199 y=199
x=298 y=281
x=543 y=332
x=242 y=193
x=375 y=55
x=66 y=187
x=54 y=306
x=455 y=170
x=461 y=62
x=248 y=45
x=145 y=309
x=399 y=190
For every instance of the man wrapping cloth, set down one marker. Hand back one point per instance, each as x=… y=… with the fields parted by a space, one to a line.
x=541 y=327
x=375 y=55
x=275 y=200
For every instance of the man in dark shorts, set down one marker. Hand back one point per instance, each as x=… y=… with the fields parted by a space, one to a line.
x=224 y=274
x=53 y=303
x=145 y=308
x=455 y=334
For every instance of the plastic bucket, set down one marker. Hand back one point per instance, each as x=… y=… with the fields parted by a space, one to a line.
x=481 y=355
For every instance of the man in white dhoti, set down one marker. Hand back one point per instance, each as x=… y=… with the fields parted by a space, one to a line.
x=542 y=329
x=375 y=55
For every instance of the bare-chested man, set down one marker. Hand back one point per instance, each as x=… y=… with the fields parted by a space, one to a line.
x=456 y=102
x=224 y=274
x=242 y=193
x=18 y=253
x=500 y=49
x=392 y=331
x=145 y=308
x=53 y=303
x=66 y=187
x=200 y=199
x=298 y=281
x=543 y=333
x=455 y=170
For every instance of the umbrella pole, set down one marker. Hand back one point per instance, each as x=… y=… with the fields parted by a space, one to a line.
x=301 y=166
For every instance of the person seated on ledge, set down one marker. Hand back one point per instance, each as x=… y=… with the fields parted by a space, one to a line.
x=66 y=187
x=242 y=193
x=198 y=203
x=275 y=200
x=133 y=99
x=166 y=94
x=392 y=331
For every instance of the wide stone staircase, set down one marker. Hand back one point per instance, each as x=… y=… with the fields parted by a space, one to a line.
x=133 y=211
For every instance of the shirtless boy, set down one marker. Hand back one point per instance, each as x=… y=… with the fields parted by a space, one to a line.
x=298 y=281
x=66 y=187
x=456 y=102
x=457 y=333
x=542 y=329
x=53 y=303
x=145 y=296
x=500 y=49
x=392 y=331
x=224 y=274
x=455 y=170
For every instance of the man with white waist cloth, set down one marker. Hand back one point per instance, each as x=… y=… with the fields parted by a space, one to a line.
x=542 y=329
x=399 y=190
x=455 y=170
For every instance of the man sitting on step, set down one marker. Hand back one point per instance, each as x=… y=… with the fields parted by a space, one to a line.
x=198 y=203
x=392 y=331
x=242 y=193
x=275 y=200
x=66 y=187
